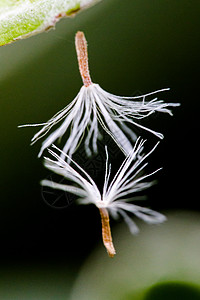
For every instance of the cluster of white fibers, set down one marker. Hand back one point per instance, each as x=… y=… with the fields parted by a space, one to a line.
x=128 y=180
x=93 y=107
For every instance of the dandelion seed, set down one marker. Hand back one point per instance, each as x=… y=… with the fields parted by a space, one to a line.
x=113 y=199
x=93 y=107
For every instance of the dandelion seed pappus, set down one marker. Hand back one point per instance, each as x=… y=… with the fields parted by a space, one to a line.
x=93 y=108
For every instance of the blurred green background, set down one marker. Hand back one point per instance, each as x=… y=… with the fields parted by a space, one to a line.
x=134 y=47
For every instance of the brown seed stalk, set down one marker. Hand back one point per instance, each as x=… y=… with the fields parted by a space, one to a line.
x=82 y=55
x=106 y=232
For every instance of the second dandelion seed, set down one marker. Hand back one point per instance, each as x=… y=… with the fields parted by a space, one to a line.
x=93 y=107
x=114 y=198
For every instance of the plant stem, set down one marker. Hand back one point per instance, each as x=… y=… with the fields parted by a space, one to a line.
x=106 y=232
x=82 y=55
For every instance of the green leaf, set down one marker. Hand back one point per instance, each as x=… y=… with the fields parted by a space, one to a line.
x=23 y=18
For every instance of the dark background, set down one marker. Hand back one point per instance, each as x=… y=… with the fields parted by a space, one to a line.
x=134 y=47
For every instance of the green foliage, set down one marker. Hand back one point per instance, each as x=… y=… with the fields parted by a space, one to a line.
x=23 y=18
x=173 y=291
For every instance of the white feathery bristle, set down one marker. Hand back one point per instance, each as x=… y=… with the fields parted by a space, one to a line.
x=127 y=181
x=93 y=107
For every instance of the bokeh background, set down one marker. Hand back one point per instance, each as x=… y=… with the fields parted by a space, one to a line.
x=134 y=47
